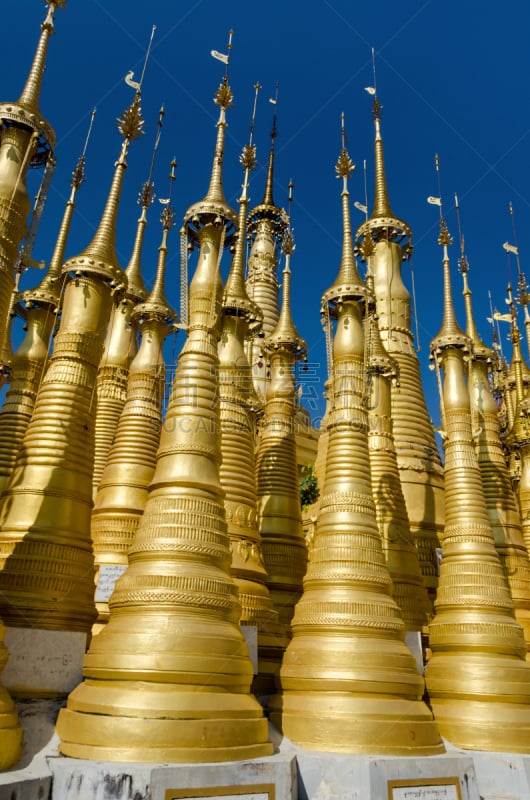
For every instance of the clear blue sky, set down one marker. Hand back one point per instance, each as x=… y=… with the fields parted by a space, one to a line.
x=451 y=78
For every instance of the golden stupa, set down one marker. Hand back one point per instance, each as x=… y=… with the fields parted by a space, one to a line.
x=348 y=682
x=148 y=693
x=178 y=526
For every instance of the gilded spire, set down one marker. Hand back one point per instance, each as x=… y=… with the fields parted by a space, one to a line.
x=517 y=355
x=31 y=92
x=135 y=284
x=381 y=202
x=235 y=294
x=383 y=223
x=214 y=206
x=285 y=336
x=348 y=282
x=450 y=333
x=267 y=210
x=100 y=255
x=157 y=300
x=26 y=110
x=267 y=197
x=49 y=289
x=479 y=348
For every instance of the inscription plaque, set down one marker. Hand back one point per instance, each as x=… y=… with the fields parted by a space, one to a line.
x=262 y=791
x=107 y=577
x=425 y=789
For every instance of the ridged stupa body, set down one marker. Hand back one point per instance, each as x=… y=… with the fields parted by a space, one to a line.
x=28 y=363
x=398 y=544
x=349 y=684
x=45 y=548
x=168 y=678
x=238 y=406
x=119 y=349
x=123 y=489
x=418 y=459
x=498 y=493
x=280 y=519
x=517 y=437
x=477 y=678
x=266 y=227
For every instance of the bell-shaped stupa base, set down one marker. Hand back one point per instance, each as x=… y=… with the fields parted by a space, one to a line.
x=177 y=691
x=354 y=694
x=11 y=734
x=481 y=701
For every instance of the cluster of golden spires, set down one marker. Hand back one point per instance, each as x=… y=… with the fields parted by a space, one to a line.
x=194 y=516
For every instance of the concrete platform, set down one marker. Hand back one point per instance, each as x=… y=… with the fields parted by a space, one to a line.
x=290 y=774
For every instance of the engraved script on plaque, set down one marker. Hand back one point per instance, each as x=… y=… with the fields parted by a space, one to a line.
x=108 y=575
x=264 y=791
x=425 y=789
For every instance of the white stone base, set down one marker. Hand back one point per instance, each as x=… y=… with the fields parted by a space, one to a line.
x=43 y=663
x=271 y=778
x=290 y=774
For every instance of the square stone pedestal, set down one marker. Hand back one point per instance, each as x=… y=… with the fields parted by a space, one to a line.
x=290 y=774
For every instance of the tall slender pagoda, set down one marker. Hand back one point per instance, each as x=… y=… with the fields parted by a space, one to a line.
x=418 y=459
x=280 y=520
x=401 y=555
x=41 y=310
x=168 y=679
x=477 y=678
x=122 y=492
x=267 y=224
x=120 y=341
x=518 y=434
x=347 y=679
x=46 y=559
x=498 y=493
x=238 y=408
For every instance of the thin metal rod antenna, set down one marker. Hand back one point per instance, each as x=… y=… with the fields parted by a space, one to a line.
x=463 y=260
x=92 y=116
x=342 y=131
x=229 y=48
x=172 y=178
x=365 y=189
x=373 y=69
x=520 y=277
x=496 y=331
x=159 y=123
x=274 y=131
x=437 y=167
x=257 y=87
x=153 y=29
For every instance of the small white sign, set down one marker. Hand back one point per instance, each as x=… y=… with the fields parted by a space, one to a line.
x=107 y=577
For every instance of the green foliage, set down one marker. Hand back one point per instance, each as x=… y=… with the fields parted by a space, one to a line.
x=309 y=491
